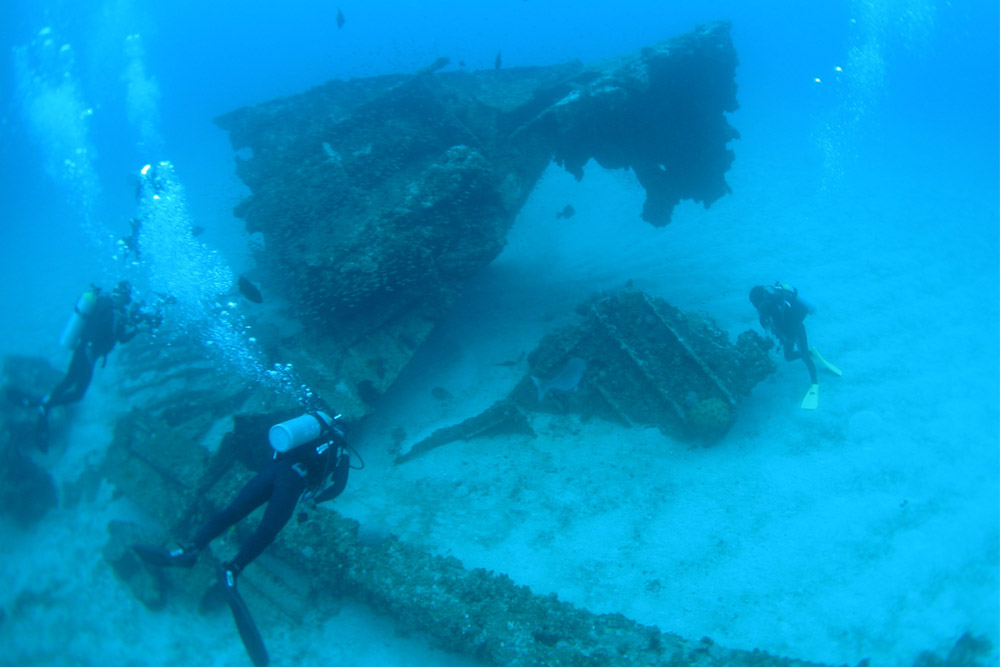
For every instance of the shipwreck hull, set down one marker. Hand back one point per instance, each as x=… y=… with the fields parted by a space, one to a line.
x=379 y=198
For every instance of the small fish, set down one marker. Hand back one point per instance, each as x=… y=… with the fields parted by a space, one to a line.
x=568 y=378
x=197 y=230
x=511 y=362
x=441 y=394
x=249 y=290
x=567 y=212
x=498 y=61
x=435 y=66
x=340 y=19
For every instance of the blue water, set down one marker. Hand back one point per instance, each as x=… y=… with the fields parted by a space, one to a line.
x=867 y=174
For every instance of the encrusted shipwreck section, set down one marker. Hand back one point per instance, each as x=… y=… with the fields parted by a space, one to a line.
x=659 y=113
x=638 y=360
x=319 y=559
x=379 y=198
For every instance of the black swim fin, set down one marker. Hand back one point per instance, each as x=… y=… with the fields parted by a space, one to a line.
x=249 y=633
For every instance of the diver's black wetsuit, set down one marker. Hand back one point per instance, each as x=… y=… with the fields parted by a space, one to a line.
x=105 y=326
x=782 y=313
x=279 y=484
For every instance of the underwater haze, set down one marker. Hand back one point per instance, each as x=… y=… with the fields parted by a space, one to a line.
x=867 y=174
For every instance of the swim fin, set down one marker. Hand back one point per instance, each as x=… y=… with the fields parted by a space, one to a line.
x=249 y=633
x=830 y=367
x=811 y=401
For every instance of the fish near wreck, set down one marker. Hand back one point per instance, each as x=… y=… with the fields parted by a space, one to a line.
x=249 y=290
x=568 y=379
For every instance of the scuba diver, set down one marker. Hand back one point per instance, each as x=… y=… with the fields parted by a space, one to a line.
x=309 y=450
x=781 y=312
x=98 y=323
x=130 y=244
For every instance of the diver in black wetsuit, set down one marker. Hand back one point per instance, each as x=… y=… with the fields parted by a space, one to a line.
x=299 y=469
x=782 y=313
x=280 y=484
x=108 y=324
x=107 y=321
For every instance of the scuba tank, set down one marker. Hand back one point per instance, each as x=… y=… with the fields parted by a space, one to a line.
x=74 y=326
x=296 y=432
x=312 y=428
x=788 y=294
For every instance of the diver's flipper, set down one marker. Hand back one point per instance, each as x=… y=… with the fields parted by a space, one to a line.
x=811 y=401
x=830 y=367
x=249 y=633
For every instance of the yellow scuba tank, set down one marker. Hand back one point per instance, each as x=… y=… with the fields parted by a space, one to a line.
x=74 y=326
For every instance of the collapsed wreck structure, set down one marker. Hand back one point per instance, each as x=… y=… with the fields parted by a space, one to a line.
x=633 y=359
x=379 y=198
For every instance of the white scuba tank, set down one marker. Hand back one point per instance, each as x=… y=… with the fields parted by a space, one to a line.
x=74 y=326
x=295 y=432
